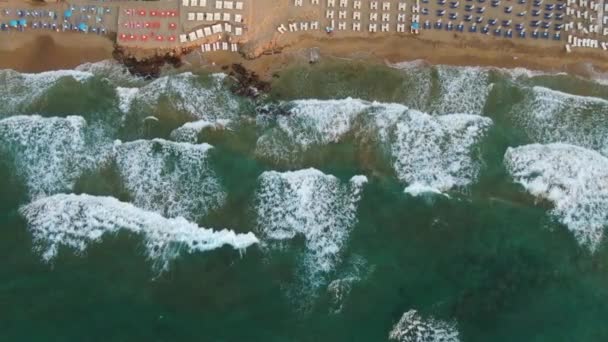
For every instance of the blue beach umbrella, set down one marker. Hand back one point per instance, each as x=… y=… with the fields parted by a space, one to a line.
x=13 y=23
x=23 y=22
x=83 y=27
x=415 y=26
x=67 y=14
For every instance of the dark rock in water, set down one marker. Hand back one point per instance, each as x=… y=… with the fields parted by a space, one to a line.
x=274 y=109
x=247 y=83
x=149 y=67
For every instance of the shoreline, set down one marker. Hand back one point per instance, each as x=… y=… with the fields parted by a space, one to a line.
x=37 y=52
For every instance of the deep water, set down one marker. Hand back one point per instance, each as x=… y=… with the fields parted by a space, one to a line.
x=372 y=191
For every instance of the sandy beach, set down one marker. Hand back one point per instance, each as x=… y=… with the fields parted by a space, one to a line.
x=43 y=51
x=36 y=52
x=268 y=52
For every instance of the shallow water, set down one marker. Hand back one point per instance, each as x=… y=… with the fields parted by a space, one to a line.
x=472 y=200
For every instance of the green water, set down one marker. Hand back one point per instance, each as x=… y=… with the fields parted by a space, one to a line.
x=488 y=256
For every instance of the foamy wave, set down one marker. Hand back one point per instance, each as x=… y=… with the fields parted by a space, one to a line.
x=21 y=89
x=318 y=206
x=206 y=99
x=126 y=97
x=461 y=90
x=189 y=131
x=308 y=123
x=574 y=179
x=412 y=327
x=50 y=154
x=339 y=289
x=435 y=153
x=109 y=69
x=173 y=179
x=76 y=221
x=550 y=116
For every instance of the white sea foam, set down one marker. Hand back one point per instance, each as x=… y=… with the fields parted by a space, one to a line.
x=126 y=97
x=309 y=123
x=412 y=327
x=171 y=178
x=205 y=100
x=461 y=90
x=109 y=69
x=49 y=154
x=318 y=206
x=76 y=221
x=189 y=131
x=437 y=152
x=21 y=89
x=574 y=179
x=549 y=116
x=434 y=153
x=338 y=290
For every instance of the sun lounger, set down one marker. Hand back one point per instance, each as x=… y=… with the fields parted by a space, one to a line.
x=207 y=31
x=200 y=34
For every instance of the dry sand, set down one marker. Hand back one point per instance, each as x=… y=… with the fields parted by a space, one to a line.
x=41 y=51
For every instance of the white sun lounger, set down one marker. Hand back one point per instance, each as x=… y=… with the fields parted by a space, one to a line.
x=239 y=5
x=217 y=28
x=191 y=16
x=207 y=31
x=238 y=31
x=192 y=36
x=219 y=4
x=228 y=5
x=227 y=17
x=200 y=16
x=185 y=3
x=183 y=38
x=200 y=34
x=217 y=16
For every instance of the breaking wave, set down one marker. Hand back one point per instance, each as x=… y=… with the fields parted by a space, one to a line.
x=50 y=154
x=433 y=153
x=200 y=97
x=76 y=221
x=430 y=153
x=461 y=90
x=574 y=179
x=412 y=327
x=309 y=203
x=171 y=178
x=21 y=89
x=549 y=116
x=189 y=131
x=308 y=123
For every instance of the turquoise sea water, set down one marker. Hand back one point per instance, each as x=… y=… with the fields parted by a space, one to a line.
x=354 y=197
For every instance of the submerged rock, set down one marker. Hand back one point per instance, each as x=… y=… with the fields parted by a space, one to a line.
x=149 y=67
x=247 y=83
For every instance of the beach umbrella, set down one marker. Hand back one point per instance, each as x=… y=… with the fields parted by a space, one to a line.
x=83 y=27
x=23 y=22
x=13 y=23
x=67 y=14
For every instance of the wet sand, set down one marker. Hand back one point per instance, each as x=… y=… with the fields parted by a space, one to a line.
x=44 y=51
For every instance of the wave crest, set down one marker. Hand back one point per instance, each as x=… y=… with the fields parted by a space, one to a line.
x=75 y=221
x=574 y=179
